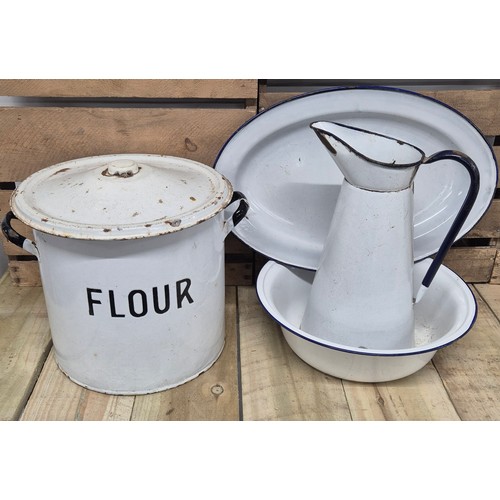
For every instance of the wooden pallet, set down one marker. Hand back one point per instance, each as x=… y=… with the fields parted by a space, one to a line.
x=59 y=120
x=476 y=257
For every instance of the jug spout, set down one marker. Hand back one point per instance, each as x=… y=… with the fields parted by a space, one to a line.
x=370 y=160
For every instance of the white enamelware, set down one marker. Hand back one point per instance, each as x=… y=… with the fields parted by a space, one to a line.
x=362 y=294
x=287 y=176
x=131 y=253
x=446 y=313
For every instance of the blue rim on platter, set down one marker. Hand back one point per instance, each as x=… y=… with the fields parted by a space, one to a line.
x=292 y=183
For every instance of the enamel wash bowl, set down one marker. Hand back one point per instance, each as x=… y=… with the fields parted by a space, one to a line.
x=446 y=313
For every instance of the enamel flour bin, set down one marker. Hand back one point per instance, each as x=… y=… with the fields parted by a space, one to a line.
x=131 y=253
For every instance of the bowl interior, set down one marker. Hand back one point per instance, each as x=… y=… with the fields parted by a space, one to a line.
x=445 y=313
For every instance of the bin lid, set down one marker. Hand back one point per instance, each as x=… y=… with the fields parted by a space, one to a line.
x=120 y=197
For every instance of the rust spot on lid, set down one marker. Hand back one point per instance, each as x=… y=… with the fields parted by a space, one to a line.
x=135 y=214
x=45 y=219
x=174 y=223
x=106 y=230
x=192 y=198
x=148 y=225
x=160 y=201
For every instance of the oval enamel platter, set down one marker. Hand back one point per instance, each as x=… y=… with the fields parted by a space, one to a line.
x=292 y=183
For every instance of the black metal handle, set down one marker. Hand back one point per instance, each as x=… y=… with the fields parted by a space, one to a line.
x=10 y=233
x=241 y=211
x=463 y=212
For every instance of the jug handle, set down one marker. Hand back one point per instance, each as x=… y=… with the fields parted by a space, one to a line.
x=238 y=215
x=14 y=237
x=459 y=219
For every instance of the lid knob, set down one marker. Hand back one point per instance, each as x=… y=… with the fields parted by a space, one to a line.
x=122 y=168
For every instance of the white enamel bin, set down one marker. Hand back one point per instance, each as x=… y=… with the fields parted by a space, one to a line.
x=131 y=253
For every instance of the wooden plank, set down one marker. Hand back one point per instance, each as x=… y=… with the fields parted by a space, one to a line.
x=24 y=345
x=24 y=273
x=481 y=106
x=211 y=396
x=421 y=396
x=10 y=248
x=496 y=151
x=56 y=397
x=268 y=97
x=238 y=273
x=276 y=384
x=495 y=274
x=472 y=264
x=470 y=368
x=239 y=260
x=5 y=195
x=491 y=295
x=136 y=88
x=233 y=245
x=489 y=225
x=33 y=138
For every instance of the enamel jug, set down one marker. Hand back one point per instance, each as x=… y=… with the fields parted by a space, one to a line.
x=363 y=291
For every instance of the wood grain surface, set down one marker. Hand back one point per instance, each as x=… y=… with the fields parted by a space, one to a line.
x=24 y=345
x=470 y=367
x=127 y=88
x=257 y=377
x=34 y=138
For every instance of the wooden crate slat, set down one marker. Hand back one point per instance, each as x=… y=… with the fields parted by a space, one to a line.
x=13 y=250
x=238 y=273
x=276 y=384
x=491 y=294
x=211 y=396
x=496 y=151
x=8 y=247
x=489 y=225
x=33 y=138
x=482 y=107
x=24 y=344
x=495 y=274
x=5 y=195
x=473 y=264
x=470 y=368
x=233 y=245
x=135 y=88
x=24 y=273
